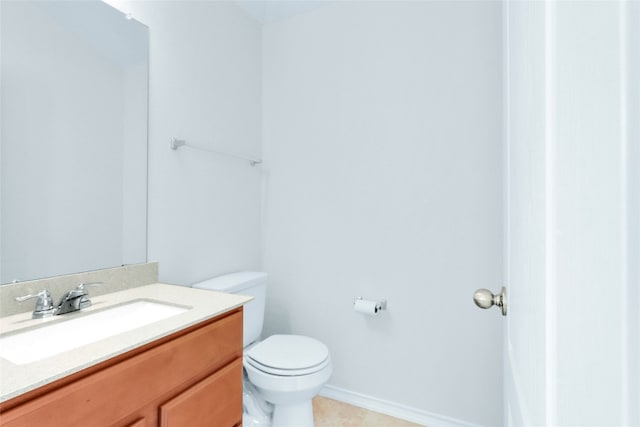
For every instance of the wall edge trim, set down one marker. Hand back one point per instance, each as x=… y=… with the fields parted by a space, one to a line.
x=392 y=409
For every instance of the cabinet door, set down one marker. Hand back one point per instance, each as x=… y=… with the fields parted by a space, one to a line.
x=215 y=401
x=138 y=423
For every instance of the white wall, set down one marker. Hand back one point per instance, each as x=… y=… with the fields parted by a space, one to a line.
x=382 y=142
x=204 y=86
x=382 y=179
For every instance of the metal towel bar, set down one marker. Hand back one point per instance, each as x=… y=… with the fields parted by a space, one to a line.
x=177 y=143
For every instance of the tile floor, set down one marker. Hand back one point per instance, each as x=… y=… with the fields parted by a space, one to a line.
x=331 y=413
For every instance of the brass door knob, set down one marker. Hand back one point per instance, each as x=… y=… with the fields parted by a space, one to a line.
x=484 y=298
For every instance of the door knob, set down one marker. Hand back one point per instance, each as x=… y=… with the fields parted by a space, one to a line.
x=485 y=299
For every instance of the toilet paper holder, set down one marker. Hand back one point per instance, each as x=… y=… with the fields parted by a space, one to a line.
x=379 y=304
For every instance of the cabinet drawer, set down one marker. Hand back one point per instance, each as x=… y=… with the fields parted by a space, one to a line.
x=215 y=401
x=119 y=390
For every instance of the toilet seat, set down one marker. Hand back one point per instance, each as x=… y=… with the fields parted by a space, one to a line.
x=287 y=372
x=288 y=355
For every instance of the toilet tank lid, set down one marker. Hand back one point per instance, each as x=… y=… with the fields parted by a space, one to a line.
x=233 y=282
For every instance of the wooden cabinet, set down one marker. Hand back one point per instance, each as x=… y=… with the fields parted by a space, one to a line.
x=216 y=393
x=192 y=378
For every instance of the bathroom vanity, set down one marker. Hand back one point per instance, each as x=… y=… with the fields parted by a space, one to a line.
x=184 y=370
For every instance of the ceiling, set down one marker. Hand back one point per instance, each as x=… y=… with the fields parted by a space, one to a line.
x=272 y=10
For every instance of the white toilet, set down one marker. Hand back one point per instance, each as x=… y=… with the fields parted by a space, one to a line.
x=287 y=370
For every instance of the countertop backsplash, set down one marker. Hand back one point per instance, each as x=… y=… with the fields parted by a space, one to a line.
x=113 y=280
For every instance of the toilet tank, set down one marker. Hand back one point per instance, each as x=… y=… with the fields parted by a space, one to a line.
x=252 y=283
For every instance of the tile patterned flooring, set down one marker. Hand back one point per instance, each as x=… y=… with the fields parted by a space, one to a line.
x=331 y=413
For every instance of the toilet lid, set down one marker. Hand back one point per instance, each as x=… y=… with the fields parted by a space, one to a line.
x=288 y=352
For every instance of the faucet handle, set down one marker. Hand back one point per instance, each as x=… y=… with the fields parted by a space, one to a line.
x=42 y=293
x=44 y=305
x=88 y=284
x=85 y=301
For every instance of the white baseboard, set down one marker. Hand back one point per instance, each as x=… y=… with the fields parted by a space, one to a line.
x=392 y=409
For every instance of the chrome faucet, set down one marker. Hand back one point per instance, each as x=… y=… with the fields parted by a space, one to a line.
x=74 y=300
x=44 y=304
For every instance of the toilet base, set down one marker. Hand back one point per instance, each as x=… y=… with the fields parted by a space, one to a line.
x=295 y=415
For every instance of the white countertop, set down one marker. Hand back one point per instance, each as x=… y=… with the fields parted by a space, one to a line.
x=202 y=304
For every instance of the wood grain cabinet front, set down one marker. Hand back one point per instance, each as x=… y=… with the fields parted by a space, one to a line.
x=140 y=422
x=192 y=378
x=214 y=401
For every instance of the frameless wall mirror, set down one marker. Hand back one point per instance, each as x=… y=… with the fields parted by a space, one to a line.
x=73 y=152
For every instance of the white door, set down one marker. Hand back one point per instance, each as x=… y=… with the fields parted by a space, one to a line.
x=526 y=214
x=572 y=80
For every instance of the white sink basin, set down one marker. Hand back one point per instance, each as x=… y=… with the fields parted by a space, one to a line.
x=60 y=336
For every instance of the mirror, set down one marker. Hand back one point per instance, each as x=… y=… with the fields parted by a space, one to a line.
x=73 y=153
